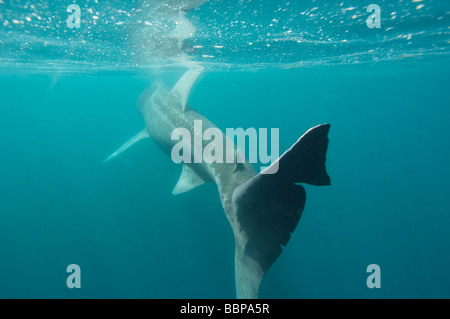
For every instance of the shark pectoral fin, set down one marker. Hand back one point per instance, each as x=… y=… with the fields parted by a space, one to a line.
x=181 y=90
x=139 y=136
x=188 y=180
x=268 y=207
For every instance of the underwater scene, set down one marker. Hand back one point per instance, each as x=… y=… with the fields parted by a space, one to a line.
x=175 y=149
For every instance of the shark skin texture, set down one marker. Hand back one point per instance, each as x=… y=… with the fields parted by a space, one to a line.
x=263 y=209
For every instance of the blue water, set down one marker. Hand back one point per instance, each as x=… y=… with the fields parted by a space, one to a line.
x=388 y=156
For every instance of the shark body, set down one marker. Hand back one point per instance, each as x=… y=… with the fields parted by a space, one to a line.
x=263 y=209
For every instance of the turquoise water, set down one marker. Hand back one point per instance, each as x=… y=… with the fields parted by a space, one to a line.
x=65 y=107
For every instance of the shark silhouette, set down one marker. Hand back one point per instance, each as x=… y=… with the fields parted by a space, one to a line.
x=263 y=209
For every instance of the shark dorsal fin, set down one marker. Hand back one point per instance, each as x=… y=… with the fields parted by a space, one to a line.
x=139 y=136
x=181 y=90
x=238 y=163
x=188 y=180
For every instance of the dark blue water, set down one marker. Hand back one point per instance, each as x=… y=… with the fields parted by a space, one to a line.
x=388 y=159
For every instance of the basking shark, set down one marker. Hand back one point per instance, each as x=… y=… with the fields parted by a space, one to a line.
x=164 y=35
x=263 y=209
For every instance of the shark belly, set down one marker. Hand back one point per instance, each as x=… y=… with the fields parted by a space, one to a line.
x=162 y=118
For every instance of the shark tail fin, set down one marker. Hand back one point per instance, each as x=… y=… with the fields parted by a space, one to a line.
x=268 y=207
x=139 y=136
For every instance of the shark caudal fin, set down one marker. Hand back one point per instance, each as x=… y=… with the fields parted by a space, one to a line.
x=268 y=207
x=139 y=136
